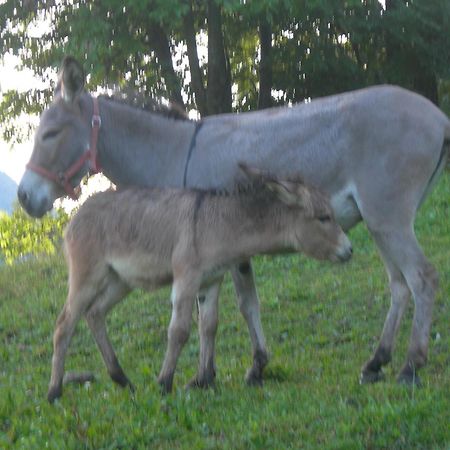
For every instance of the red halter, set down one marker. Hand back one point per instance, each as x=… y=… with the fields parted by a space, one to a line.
x=63 y=178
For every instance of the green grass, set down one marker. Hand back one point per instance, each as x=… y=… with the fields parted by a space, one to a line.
x=322 y=322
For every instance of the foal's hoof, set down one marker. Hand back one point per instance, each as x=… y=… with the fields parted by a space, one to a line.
x=371 y=376
x=54 y=393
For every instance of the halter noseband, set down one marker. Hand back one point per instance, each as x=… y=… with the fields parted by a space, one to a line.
x=63 y=178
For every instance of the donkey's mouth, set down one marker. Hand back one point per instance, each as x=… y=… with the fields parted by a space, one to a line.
x=36 y=209
x=345 y=255
x=36 y=194
x=37 y=212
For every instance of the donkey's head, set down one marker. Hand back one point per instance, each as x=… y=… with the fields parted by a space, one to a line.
x=59 y=159
x=314 y=229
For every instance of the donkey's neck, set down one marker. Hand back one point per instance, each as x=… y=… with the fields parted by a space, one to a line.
x=233 y=229
x=141 y=148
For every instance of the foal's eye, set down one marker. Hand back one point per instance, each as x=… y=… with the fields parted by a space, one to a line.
x=50 y=134
x=324 y=219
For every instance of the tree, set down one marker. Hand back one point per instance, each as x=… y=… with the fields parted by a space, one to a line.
x=259 y=52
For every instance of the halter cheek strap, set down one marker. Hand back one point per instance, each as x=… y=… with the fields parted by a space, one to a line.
x=63 y=178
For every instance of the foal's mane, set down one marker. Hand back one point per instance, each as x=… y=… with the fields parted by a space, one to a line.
x=140 y=101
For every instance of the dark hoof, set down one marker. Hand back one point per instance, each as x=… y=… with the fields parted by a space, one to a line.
x=120 y=378
x=78 y=377
x=54 y=393
x=409 y=379
x=199 y=383
x=370 y=376
x=253 y=379
x=165 y=386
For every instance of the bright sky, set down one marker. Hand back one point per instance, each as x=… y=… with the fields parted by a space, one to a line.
x=13 y=160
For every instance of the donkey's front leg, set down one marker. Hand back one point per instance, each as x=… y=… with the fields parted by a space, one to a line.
x=183 y=296
x=249 y=305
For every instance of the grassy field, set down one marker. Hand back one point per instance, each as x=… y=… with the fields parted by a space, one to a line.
x=322 y=322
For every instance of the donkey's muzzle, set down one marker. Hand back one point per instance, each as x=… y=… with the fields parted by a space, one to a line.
x=345 y=255
x=345 y=249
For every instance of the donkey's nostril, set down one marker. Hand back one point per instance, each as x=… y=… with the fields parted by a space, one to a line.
x=23 y=196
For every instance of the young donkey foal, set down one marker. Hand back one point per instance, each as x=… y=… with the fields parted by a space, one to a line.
x=148 y=238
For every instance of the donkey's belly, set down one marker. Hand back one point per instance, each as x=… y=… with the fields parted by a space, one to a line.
x=345 y=207
x=213 y=275
x=140 y=271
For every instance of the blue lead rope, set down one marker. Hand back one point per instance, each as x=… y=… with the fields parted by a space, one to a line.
x=198 y=125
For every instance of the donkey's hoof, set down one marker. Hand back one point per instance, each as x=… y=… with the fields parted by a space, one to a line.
x=54 y=393
x=254 y=378
x=200 y=383
x=409 y=379
x=371 y=376
x=165 y=386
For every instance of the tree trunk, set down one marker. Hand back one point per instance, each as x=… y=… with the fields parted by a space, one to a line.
x=265 y=65
x=422 y=79
x=160 y=43
x=219 y=76
x=196 y=74
x=425 y=83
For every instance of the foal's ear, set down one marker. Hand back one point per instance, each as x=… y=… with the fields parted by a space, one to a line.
x=292 y=194
x=71 y=78
x=251 y=172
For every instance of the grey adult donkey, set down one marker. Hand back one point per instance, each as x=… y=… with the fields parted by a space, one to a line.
x=376 y=152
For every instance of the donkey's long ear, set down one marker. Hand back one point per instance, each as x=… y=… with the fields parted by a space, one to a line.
x=251 y=172
x=71 y=78
x=292 y=194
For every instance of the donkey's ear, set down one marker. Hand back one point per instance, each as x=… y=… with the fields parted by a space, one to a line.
x=292 y=194
x=71 y=78
x=252 y=173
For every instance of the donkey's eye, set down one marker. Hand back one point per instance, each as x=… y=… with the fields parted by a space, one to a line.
x=50 y=134
x=324 y=219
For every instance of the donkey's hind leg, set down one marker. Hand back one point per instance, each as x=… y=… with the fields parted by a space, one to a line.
x=421 y=278
x=400 y=295
x=249 y=306
x=76 y=304
x=183 y=295
x=208 y=316
x=115 y=291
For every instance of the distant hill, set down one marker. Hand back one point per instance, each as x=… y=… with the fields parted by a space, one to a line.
x=8 y=193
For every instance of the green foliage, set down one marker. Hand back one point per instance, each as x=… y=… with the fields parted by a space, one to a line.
x=21 y=235
x=319 y=47
x=322 y=321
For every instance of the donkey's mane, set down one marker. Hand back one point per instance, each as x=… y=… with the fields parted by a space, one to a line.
x=140 y=101
x=240 y=189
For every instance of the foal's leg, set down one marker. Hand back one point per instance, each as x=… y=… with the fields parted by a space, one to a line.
x=76 y=304
x=184 y=292
x=95 y=317
x=208 y=306
x=249 y=306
